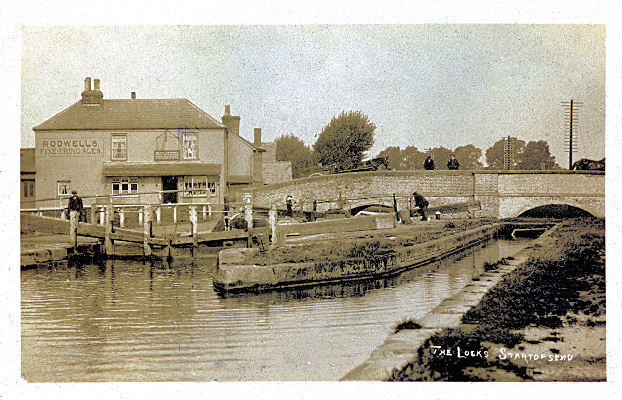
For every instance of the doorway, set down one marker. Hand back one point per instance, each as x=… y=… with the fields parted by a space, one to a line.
x=169 y=183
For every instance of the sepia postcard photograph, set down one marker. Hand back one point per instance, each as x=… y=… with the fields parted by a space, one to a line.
x=313 y=202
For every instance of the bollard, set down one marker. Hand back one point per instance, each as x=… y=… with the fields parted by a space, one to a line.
x=158 y=214
x=73 y=228
x=121 y=217
x=272 y=218
x=248 y=208
x=147 y=228
x=109 y=219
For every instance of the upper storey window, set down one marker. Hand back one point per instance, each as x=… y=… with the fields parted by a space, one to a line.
x=190 y=145
x=119 y=147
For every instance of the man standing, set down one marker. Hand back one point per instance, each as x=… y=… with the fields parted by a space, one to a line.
x=422 y=203
x=453 y=163
x=75 y=204
x=428 y=164
x=289 y=202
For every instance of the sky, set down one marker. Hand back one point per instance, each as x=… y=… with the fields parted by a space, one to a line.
x=426 y=85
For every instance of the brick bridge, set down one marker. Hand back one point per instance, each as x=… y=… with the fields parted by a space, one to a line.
x=502 y=194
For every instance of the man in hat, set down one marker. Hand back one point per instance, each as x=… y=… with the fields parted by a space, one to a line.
x=289 y=203
x=422 y=203
x=453 y=163
x=75 y=204
x=428 y=164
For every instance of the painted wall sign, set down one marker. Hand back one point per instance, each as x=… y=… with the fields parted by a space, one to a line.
x=70 y=147
x=165 y=155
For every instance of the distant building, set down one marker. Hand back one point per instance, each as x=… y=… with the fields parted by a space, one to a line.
x=133 y=149
x=27 y=172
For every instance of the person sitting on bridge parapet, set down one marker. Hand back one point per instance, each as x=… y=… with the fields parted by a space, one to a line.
x=75 y=204
x=428 y=164
x=453 y=163
x=422 y=203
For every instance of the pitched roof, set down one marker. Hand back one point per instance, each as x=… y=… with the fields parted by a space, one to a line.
x=131 y=114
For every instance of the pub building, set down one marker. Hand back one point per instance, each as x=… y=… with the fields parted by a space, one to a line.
x=134 y=149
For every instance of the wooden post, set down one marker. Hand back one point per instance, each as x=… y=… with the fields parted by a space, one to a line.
x=192 y=211
x=102 y=215
x=121 y=217
x=40 y=213
x=147 y=230
x=175 y=214
x=140 y=217
x=248 y=208
x=73 y=228
x=209 y=211
x=301 y=209
x=272 y=218
x=158 y=214
x=204 y=212
x=109 y=219
x=93 y=214
x=63 y=215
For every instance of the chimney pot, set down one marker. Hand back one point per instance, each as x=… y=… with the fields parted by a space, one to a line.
x=227 y=109
x=133 y=95
x=257 y=136
x=96 y=84
x=87 y=84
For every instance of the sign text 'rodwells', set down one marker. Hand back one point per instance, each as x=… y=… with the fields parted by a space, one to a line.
x=73 y=147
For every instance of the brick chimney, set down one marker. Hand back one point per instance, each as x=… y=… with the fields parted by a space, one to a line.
x=257 y=137
x=232 y=122
x=92 y=97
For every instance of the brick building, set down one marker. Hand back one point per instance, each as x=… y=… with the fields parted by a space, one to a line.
x=136 y=150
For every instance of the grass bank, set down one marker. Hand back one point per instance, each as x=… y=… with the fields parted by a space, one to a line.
x=543 y=321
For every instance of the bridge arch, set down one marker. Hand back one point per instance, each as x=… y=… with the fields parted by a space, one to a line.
x=557 y=207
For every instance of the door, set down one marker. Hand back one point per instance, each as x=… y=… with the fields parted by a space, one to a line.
x=169 y=183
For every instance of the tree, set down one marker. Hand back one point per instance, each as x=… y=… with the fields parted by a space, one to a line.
x=441 y=155
x=494 y=154
x=344 y=140
x=412 y=158
x=291 y=148
x=468 y=156
x=393 y=155
x=537 y=156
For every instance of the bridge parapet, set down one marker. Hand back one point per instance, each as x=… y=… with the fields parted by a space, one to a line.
x=501 y=193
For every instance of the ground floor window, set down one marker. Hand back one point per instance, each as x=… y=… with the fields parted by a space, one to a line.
x=199 y=186
x=64 y=188
x=28 y=187
x=125 y=186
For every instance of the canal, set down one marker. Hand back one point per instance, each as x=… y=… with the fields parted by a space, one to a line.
x=154 y=321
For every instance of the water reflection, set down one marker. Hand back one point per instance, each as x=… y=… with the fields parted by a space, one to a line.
x=152 y=321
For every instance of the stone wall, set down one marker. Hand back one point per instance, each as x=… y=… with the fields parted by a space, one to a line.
x=501 y=193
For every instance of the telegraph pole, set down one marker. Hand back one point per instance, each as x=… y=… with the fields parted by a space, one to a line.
x=509 y=150
x=571 y=125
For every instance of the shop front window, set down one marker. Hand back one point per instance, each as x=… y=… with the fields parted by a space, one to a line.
x=125 y=186
x=199 y=186
x=119 y=147
x=190 y=143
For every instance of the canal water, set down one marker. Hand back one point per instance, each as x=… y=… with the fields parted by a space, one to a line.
x=155 y=321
